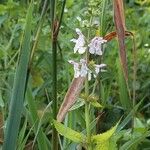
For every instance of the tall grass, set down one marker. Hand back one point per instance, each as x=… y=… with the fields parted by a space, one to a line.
x=16 y=103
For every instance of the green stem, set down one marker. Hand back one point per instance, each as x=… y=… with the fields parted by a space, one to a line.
x=54 y=94
x=38 y=32
x=87 y=120
x=55 y=26
x=87 y=113
x=62 y=13
x=134 y=77
x=54 y=73
x=87 y=104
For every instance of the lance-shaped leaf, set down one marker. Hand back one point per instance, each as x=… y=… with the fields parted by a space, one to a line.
x=69 y=133
x=19 y=87
x=104 y=136
x=70 y=98
x=103 y=141
x=120 y=29
x=113 y=35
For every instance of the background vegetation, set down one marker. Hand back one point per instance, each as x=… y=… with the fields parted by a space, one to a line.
x=26 y=30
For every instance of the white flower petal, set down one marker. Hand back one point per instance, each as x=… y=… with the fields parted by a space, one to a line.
x=97 y=70
x=78 y=31
x=76 y=73
x=92 y=50
x=81 y=50
x=95 y=45
x=76 y=68
x=73 y=40
x=71 y=61
x=79 y=43
x=99 y=52
x=102 y=65
x=98 y=67
x=84 y=68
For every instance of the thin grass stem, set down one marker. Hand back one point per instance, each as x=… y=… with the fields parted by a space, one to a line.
x=54 y=72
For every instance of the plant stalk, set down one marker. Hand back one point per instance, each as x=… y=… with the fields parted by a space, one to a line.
x=55 y=26
x=87 y=120
x=54 y=94
x=54 y=72
x=87 y=104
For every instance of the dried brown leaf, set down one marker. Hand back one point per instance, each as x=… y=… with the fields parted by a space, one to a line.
x=70 y=98
x=113 y=35
x=119 y=20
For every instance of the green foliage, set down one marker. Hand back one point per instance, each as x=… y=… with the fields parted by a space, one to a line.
x=96 y=104
x=16 y=104
x=123 y=89
x=69 y=133
x=41 y=137
x=104 y=141
x=135 y=142
x=111 y=93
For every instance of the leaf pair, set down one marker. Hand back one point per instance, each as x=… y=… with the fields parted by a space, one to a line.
x=100 y=141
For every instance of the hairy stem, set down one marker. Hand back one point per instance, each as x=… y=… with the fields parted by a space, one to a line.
x=87 y=104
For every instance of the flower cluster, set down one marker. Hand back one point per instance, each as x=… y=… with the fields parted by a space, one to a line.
x=95 y=47
x=81 y=69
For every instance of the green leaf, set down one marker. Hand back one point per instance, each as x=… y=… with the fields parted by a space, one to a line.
x=69 y=133
x=107 y=145
x=22 y=135
x=69 y=3
x=104 y=136
x=123 y=89
x=41 y=137
x=134 y=142
x=2 y=9
x=129 y=116
x=96 y=104
x=103 y=141
x=19 y=87
x=79 y=103
x=37 y=79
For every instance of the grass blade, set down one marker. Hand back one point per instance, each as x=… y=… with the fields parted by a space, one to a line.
x=123 y=89
x=41 y=137
x=134 y=142
x=17 y=98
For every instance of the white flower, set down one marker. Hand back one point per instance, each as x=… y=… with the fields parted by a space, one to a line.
x=79 y=43
x=81 y=69
x=95 y=45
x=76 y=68
x=98 y=68
x=84 y=68
x=89 y=74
